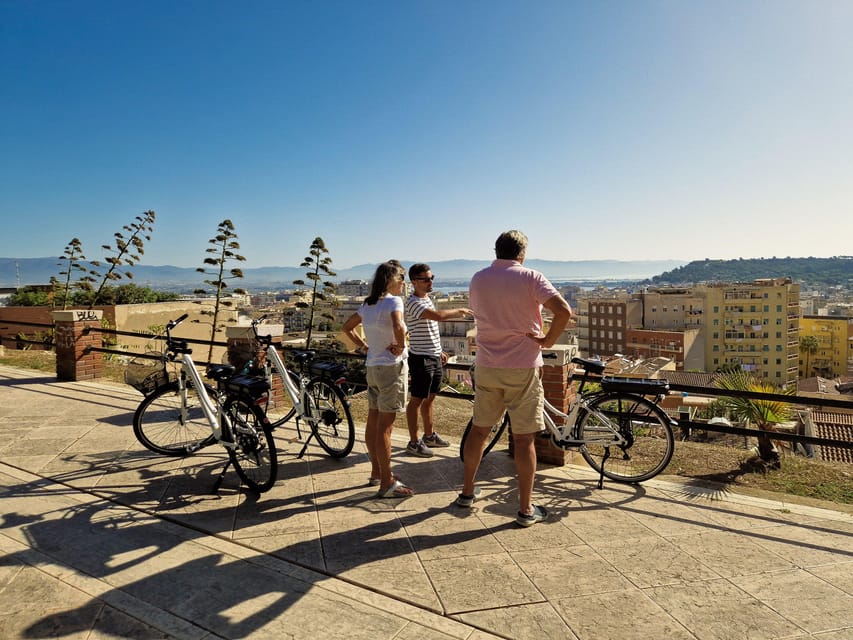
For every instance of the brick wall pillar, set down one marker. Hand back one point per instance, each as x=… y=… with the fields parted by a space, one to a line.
x=73 y=337
x=560 y=392
x=242 y=347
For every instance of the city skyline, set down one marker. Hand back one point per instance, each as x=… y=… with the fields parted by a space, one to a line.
x=623 y=131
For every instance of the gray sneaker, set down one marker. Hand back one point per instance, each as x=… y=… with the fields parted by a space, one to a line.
x=419 y=449
x=467 y=501
x=539 y=514
x=435 y=440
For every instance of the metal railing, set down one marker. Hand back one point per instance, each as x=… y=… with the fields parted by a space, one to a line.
x=18 y=338
x=683 y=425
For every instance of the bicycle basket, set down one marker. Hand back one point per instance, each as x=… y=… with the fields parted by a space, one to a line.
x=328 y=369
x=146 y=374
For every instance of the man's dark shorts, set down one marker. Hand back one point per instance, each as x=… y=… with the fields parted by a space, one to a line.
x=426 y=375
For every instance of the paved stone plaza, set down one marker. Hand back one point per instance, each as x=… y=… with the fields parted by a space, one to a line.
x=103 y=539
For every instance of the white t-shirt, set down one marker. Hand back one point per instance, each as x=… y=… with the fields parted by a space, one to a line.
x=379 y=330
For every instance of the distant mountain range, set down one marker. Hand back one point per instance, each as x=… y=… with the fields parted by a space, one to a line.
x=28 y=271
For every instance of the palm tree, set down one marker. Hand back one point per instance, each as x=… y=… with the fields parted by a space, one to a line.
x=808 y=345
x=762 y=413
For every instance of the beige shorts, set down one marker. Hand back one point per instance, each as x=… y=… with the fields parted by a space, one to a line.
x=517 y=391
x=387 y=387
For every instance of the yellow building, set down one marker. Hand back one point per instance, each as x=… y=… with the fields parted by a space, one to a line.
x=831 y=352
x=754 y=325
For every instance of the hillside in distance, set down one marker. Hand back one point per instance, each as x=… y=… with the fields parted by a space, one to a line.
x=29 y=271
x=835 y=271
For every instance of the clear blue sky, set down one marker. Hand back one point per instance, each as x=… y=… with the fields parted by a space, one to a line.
x=420 y=130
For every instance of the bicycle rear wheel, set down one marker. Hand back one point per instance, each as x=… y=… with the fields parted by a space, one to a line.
x=163 y=427
x=254 y=456
x=330 y=417
x=491 y=440
x=650 y=442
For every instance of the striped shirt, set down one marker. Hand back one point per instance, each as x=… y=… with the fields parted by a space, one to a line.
x=424 y=339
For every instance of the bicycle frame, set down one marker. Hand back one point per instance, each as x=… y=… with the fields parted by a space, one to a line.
x=278 y=364
x=211 y=411
x=613 y=436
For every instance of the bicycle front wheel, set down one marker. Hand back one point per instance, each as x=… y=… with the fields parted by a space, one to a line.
x=491 y=440
x=171 y=422
x=644 y=426
x=254 y=456
x=330 y=417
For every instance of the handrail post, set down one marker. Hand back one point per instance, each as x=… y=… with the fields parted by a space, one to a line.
x=72 y=338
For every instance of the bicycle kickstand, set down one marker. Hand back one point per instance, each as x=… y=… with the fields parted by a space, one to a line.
x=601 y=473
x=305 y=446
x=221 y=477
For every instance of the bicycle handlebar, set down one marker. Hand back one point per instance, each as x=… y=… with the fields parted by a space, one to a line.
x=265 y=339
x=172 y=344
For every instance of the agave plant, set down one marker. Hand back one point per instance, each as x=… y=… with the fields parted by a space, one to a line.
x=764 y=414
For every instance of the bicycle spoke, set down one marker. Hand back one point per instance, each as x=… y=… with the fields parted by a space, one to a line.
x=254 y=455
x=644 y=444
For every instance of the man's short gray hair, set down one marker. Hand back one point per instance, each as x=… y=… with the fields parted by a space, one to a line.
x=510 y=245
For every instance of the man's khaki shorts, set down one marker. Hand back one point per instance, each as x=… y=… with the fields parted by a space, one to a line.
x=387 y=386
x=517 y=391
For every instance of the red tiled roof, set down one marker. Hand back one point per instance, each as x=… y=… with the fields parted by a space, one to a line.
x=690 y=378
x=837 y=426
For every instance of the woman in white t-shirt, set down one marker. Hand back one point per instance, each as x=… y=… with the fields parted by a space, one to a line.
x=381 y=315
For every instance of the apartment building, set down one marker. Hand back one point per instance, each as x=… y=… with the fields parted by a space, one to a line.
x=684 y=347
x=833 y=355
x=602 y=318
x=754 y=325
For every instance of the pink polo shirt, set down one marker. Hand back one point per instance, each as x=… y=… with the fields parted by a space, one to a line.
x=507 y=299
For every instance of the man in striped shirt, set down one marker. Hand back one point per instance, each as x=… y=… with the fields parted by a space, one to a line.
x=425 y=358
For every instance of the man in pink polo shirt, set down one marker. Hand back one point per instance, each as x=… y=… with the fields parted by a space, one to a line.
x=507 y=299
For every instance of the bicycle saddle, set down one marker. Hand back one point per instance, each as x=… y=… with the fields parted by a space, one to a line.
x=220 y=372
x=592 y=366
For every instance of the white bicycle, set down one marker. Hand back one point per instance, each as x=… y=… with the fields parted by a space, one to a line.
x=316 y=394
x=181 y=415
x=619 y=417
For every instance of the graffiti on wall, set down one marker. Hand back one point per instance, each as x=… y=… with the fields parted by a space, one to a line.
x=64 y=337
